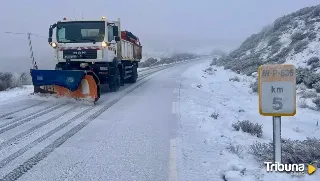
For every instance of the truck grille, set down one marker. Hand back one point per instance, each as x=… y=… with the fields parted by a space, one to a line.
x=80 y=54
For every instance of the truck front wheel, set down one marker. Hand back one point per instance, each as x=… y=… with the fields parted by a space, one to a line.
x=114 y=85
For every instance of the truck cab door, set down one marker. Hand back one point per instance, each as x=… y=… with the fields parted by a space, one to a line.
x=112 y=44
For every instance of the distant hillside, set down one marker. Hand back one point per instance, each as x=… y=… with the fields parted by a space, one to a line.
x=294 y=39
x=176 y=57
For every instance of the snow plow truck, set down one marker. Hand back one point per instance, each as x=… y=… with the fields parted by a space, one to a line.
x=89 y=53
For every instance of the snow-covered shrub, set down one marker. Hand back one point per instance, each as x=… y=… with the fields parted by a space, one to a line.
x=312 y=36
x=301 y=73
x=297 y=36
x=284 y=52
x=214 y=115
x=315 y=66
x=241 y=110
x=5 y=81
x=235 y=79
x=254 y=86
x=249 y=70
x=297 y=129
x=316 y=86
x=12 y=80
x=214 y=62
x=281 y=22
x=313 y=60
x=300 y=46
x=311 y=79
x=316 y=101
x=248 y=127
x=303 y=11
x=273 y=40
x=293 y=151
x=302 y=103
x=275 y=48
x=308 y=94
x=209 y=69
x=148 y=62
x=235 y=149
x=315 y=12
x=25 y=79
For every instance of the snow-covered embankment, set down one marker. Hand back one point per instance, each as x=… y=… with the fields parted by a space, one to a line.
x=212 y=101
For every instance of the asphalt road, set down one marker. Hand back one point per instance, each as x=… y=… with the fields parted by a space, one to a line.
x=128 y=135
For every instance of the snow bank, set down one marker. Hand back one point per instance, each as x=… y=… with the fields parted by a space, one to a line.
x=210 y=148
x=18 y=92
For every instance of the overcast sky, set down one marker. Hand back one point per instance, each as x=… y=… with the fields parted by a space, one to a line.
x=160 y=24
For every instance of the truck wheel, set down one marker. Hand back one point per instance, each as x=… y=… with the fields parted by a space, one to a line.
x=115 y=84
x=98 y=91
x=134 y=76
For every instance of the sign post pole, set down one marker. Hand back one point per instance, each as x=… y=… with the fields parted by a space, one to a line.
x=276 y=139
x=277 y=97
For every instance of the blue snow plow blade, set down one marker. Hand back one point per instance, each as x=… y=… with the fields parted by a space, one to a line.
x=69 y=79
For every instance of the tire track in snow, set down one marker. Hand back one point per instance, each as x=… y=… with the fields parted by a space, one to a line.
x=18 y=153
x=25 y=120
x=22 y=109
x=27 y=165
x=38 y=126
x=25 y=116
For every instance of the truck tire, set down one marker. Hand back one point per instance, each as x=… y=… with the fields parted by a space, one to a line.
x=134 y=76
x=98 y=92
x=114 y=85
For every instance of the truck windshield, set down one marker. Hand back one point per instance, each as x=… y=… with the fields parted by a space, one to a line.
x=80 y=31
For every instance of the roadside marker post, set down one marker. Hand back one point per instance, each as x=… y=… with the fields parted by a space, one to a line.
x=277 y=97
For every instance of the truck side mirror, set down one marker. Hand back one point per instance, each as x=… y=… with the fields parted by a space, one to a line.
x=50 y=34
x=117 y=38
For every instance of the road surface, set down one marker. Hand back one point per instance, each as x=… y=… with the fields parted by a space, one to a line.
x=128 y=135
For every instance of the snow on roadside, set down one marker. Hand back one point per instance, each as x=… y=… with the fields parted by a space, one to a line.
x=203 y=140
x=18 y=92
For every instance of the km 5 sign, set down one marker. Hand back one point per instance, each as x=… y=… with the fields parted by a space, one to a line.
x=277 y=90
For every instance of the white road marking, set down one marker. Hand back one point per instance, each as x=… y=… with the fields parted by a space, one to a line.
x=175 y=107
x=173 y=161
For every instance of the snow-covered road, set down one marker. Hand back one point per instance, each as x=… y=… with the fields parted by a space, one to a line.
x=174 y=124
x=128 y=135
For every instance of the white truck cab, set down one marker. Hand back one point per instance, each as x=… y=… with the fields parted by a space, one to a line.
x=96 y=45
x=86 y=40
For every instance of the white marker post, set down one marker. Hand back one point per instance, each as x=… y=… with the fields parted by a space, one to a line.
x=277 y=97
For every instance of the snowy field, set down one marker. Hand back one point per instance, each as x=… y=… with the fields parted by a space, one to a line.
x=210 y=148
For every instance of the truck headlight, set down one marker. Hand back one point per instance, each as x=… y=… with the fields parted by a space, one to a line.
x=104 y=44
x=53 y=44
